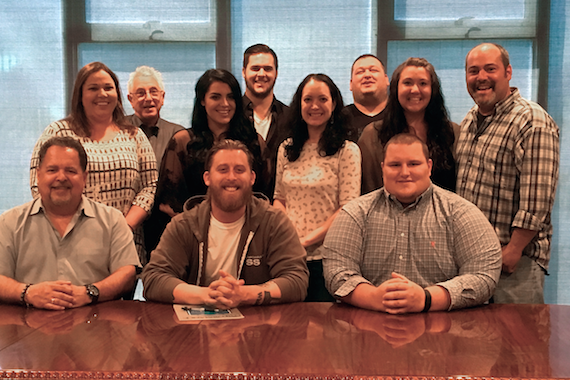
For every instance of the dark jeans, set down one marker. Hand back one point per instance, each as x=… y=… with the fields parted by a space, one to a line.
x=317 y=291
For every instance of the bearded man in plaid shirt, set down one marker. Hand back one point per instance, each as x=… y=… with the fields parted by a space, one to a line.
x=508 y=162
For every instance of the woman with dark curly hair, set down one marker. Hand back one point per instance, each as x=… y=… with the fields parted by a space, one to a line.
x=415 y=105
x=122 y=166
x=318 y=170
x=218 y=114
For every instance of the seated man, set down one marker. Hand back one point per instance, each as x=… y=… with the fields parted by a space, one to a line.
x=63 y=250
x=231 y=235
x=411 y=246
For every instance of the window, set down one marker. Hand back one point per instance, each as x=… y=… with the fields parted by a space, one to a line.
x=32 y=92
x=176 y=37
x=307 y=37
x=136 y=20
x=466 y=18
x=181 y=64
x=448 y=59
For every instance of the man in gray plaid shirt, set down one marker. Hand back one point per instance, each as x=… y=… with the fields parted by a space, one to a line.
x=411 y=246
x=508 y=160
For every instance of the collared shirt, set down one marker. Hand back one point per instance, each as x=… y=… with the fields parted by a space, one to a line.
x=278 y=130
x=440 y=239
x=160 y=137
x=508 y=167
x=121 y=171
x=97 y=242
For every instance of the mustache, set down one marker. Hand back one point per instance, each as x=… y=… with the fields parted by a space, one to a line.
x=64 y=183
x=488 y=82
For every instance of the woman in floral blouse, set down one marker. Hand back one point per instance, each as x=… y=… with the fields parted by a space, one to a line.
x=318 y=170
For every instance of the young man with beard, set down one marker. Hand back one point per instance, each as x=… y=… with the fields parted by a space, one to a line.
x=232 y=249
x=63 y=250
x=266 y=113
x=508 y=160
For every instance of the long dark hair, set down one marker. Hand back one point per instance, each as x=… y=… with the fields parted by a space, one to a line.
x=77 y=119
x=439 y=130
x=239 y=129
x=336 y=132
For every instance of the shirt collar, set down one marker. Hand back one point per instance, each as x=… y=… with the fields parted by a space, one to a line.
x=85 y=206
x=249 y=104
x=138 y=122
x=503 y=104
x=425 y=194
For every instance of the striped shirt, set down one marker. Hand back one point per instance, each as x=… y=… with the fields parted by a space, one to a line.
x=508 y=167
x=440 y=239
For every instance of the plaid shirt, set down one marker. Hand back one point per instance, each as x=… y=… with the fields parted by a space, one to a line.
x=439 y=239
x=509 y=169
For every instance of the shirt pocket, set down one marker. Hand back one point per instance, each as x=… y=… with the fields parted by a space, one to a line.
x=433 y=255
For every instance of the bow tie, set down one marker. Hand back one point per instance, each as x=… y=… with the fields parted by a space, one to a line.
x=149 y=131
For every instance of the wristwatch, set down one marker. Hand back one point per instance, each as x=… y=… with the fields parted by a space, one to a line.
x=93 y=292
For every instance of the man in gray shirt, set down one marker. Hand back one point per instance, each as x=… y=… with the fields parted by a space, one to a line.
x=411 y=246
x=63 y=250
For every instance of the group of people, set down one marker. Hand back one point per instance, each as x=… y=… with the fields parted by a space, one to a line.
x=260 y=203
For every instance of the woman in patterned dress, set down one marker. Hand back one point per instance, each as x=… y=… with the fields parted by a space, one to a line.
x=122 y=166
x=318 y=170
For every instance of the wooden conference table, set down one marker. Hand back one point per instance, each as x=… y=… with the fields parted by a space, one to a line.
x=137 y=340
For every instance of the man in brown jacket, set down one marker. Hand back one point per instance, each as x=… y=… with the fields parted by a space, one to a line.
x=232 y=249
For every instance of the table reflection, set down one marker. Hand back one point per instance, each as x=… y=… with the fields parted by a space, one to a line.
x=303 y=338
x=82 y=339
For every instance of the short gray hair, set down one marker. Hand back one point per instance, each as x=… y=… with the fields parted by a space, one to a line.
x=145 y=71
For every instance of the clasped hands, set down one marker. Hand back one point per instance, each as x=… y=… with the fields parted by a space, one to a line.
x=399 y=295
x=57 y=295
x=226 y=292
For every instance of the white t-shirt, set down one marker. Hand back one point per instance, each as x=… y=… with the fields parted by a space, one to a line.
x=223 y=240
x=262 y=126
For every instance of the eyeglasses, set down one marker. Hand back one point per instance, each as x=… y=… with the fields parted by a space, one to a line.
x=153 y=92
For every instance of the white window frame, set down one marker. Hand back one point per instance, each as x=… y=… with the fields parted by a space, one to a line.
x=473 y=28
x=154 y=30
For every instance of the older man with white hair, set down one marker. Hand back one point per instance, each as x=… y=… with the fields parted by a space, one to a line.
x=146 y=94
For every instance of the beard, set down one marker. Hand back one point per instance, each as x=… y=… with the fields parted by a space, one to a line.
x=257 y=94
x=484 y=100
x=229 y=202
x=61 y=199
